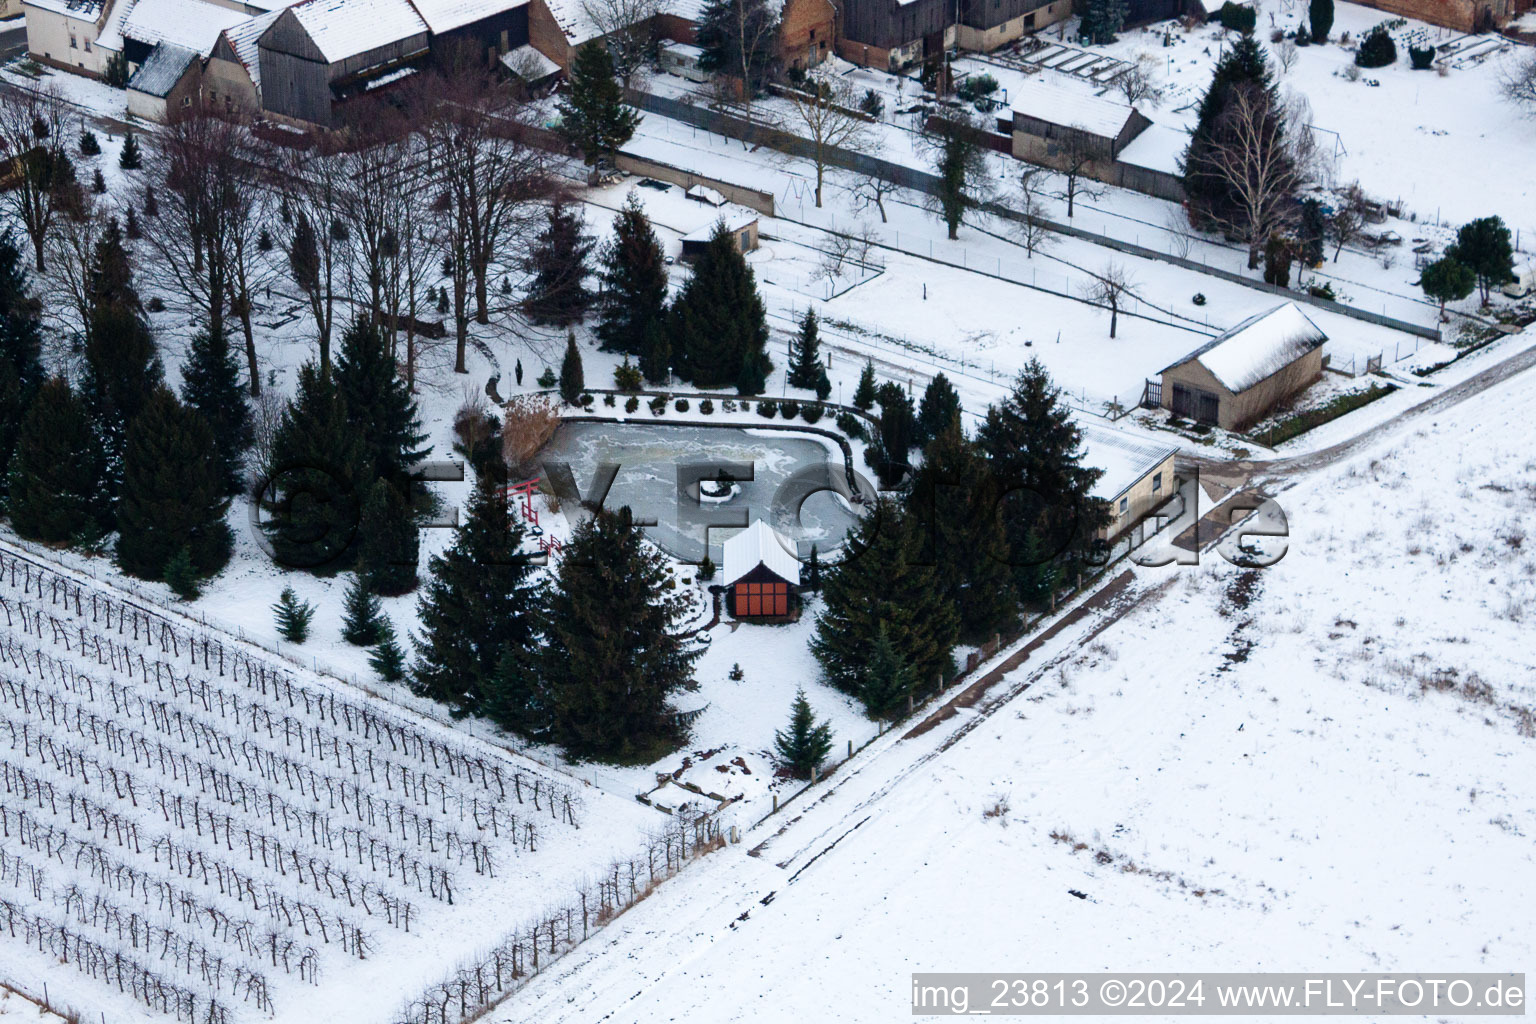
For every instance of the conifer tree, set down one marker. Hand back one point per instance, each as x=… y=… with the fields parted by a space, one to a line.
x=210 y=383
x=593 y=117
x=386 y=658
x=740 y=39
x=90 y=145
x=864 y=395
x=1447 y=280
x=890 y=454
x=130 y=159
x=1483 y=247
x=1242 y=68
x=1320 y=15
x=806 y=370
x=122 y=367
x=940 y=406
x=317 y=477
x=813 y=571
x=1035 y=449
x=361 y=615
x=719 y=321
x=173 y=492
x=379 y=401
x=480 y=604
x=614 y=655
x=21 y=340
x=954 y=503
x=656 y=363
x=54 y=469
x=388 y=541
x=888 y=681
x=881 y=579
x=293 y=616
x=634 y=275
x=558 y=262
x=181 y=574
x=803 y=747
x=573 y=380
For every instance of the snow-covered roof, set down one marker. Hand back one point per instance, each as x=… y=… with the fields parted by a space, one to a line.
x=705 y=194
x=346 y=28
x=1057 y=104
x=447 y=15
x=529 y=64
x=1158 y=148
x=162 y=69
x=1125 y=459
x=758 y=545
x=681 y=49
x=191 y=24
x=575 y=19
x=111 y=35
x=1259 y=347
x=242 y=39
x=82 y=10
x=734 y=217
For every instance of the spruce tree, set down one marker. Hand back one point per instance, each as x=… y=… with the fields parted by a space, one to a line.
x=21 y=345
x=888 y=681
x=558 y=262
x=317 y=477
x=719 y=322
x=614 y=653
x=386 y=658
x=1483 y=247
x=54 y=469
x=954 y=504
x=740 y=39
x=361 y=615
x=890 y=454
x=122 y=367
x=813 y=571
x=806 y=370
x=1320 y=16
x=89 y=144
x=181 y=574
x=293 y=616
x=173 y=492
x=379 y=401
x=940 y=407
x=882 y=579
x=864 y=394
x=573 y=379
x=1036 y=449
x=210 y=383
x=633 y=270
x=130 y=159
x=480 y=604
x=803 y=747
x=389 y=543
x=593 y=117
x=1242 y=68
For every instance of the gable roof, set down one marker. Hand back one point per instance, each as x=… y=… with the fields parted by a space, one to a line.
x=1259 y=347
x=80 y=10
x=1124 y=459
x=447 y=15
x=162 y=69
x=241 y=40
x=1057 y=104
x=758 y=545
x=732 y=216
x=345 y=28
x=191 y=24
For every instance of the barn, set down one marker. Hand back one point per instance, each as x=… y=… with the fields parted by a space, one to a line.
x=762 y=573
x=1242 y=374
x=1053 y=124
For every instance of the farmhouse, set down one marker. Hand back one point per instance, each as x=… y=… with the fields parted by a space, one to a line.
x=1244 y=372
x=1137 y=475
x=761 y=573
x=63 y=33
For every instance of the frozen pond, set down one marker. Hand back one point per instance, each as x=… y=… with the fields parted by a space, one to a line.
x=793 y=481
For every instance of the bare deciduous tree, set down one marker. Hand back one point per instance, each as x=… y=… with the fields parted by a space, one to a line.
x=825 y=112
x=1030 y=228
x=1262 y=163
x=315 y=234
x=33 y=134
x=953 y=139
x=869 y=190
x=1286 y=54
x=624 y=26
x=1076 y=155
x=1517 y=81
x=1348 y=219
x=1110 y=287
x=71 y=250
x=1137 y=83
x=490 y=179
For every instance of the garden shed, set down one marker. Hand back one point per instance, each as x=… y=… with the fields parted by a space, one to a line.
x=1243 y=373
x=761 y=573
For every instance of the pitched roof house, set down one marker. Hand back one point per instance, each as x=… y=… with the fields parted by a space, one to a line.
x=761 y=573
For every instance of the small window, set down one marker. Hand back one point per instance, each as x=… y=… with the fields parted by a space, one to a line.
x=72 y=44
x=1157 y=482
x=1125 y=505
x=87 y=46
